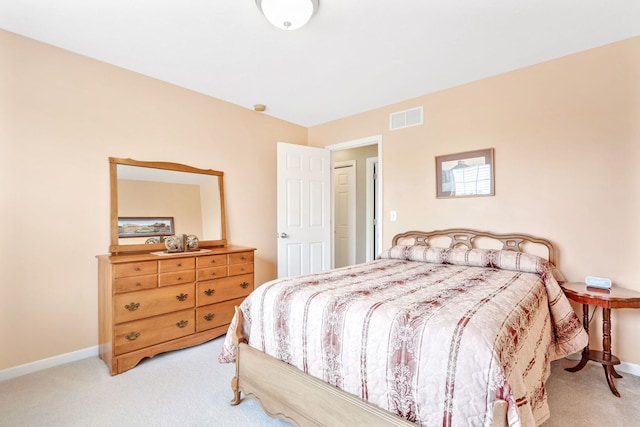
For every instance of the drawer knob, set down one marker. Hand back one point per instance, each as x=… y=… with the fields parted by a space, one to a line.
x=182 y=297
x=178 y=278
x=182 y=323
x=210 y=292
x=179 y=264
x=137 y=268
x=244 y=285
x=213 y=273
x=132 y=336
x=209 y=317
x=133 y=306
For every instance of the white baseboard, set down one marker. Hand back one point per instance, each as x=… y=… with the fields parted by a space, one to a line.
x=49 y=362
x=626 y=367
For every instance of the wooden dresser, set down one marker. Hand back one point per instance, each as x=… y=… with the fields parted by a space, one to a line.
x=150 y=304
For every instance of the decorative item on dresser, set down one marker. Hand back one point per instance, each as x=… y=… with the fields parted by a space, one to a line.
x=152 y=299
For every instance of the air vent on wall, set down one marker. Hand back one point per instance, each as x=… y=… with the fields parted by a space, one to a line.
x=405 y=119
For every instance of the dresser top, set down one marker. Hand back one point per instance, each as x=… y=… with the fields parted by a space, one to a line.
x=150 y=256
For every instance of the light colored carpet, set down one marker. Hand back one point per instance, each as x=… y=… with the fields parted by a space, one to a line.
x=181 y=388
x=190 y=388
x=583 y=398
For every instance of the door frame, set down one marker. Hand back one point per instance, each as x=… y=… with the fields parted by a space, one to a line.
x=361 y=142
x=372 y=213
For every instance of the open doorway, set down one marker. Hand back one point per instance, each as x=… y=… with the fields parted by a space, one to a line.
x=360 y=210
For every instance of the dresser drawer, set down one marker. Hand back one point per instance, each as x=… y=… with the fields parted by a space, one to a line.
x=136 y=268
x=177 y=277
x=213 y=291
x=151 y=302
x=213 y=315
x=240 y=257
x=235 y=269
x=177 y=264
x=212 y=273
x=135 y=283
x=143 y=333
x=212 y=261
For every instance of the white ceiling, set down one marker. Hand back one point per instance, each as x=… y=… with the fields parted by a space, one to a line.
x=353 y=56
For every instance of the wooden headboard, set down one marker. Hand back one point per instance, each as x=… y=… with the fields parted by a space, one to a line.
x=472 y=239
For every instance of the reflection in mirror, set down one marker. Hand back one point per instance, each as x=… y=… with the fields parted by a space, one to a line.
x=192 y=198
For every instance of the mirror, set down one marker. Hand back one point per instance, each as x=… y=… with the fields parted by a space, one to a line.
x=151 y=200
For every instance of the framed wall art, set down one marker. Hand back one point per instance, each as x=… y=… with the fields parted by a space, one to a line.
x=145 y=226
x=468 y=174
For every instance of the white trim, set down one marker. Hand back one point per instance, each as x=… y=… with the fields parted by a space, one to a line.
x=626 y=367
x=369 y=244
x=361 y=142
x=49 y=362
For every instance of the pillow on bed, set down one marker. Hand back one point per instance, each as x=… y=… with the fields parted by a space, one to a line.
x=503 y=259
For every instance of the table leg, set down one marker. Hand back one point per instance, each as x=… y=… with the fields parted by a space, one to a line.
x=585 y=351
x=606 y=333
x=615 y=373
x=609 y=375
x=609 y=371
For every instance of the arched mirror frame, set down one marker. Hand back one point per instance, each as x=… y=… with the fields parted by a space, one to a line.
x=115 y=246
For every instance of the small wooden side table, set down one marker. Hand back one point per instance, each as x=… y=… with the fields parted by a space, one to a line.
x=614 y=298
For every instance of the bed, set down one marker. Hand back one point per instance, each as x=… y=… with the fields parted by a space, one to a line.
x=453 y=327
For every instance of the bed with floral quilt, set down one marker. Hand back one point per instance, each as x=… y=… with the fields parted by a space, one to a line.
x=424 y=335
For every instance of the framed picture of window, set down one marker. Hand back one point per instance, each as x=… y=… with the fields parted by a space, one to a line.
x=468 y=174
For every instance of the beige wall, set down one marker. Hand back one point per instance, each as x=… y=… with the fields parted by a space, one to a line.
x=62 y=116
x=566 y=135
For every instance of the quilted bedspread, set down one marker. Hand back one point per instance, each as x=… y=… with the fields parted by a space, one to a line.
x=432 y=335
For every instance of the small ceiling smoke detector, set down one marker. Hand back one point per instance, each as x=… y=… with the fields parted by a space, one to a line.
x=259 y=107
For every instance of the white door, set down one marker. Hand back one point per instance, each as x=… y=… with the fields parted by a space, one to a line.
x=344 y=191
x=304 y=210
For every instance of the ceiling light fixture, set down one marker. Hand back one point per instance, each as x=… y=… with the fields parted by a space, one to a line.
x=288 y=14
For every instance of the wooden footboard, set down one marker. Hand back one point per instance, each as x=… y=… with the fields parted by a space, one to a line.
x=288 y=393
